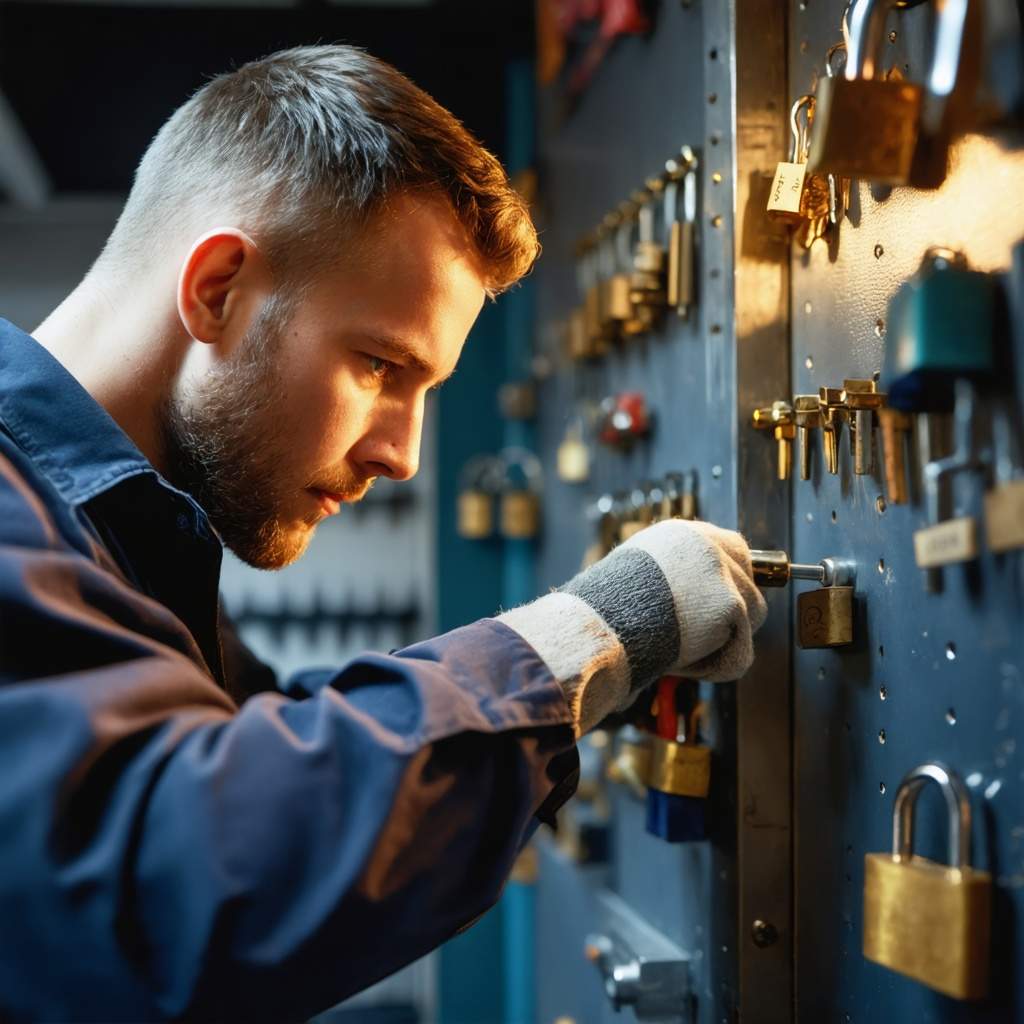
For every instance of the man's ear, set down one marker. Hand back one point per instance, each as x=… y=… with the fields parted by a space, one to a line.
x=220 y=277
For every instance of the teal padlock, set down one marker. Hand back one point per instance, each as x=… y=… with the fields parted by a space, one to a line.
x=939 y=328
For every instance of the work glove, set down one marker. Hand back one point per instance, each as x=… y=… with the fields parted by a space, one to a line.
x=677 y=598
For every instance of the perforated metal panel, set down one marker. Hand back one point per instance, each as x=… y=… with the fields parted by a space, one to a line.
x=806 y=743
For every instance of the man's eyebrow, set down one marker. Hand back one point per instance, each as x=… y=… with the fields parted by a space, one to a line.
x=396 y=348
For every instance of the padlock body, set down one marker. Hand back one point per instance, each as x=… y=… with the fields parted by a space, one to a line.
x=929 y=922
x=573 y=461
x=825 y=617
x=939 y=326
x=1004 y=516
x=865 y=129
x=475 y=515
x=680 y=769
x=615 y=302
x=520 y=515
x=785 y=200
x=578 y=336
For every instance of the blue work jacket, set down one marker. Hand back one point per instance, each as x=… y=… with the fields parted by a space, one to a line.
x=179 y=837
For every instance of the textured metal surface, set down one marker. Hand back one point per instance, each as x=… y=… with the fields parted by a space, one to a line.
x=700 y=376
x=930 y=676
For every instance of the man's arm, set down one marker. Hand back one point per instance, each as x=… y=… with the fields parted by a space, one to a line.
x=165 y=853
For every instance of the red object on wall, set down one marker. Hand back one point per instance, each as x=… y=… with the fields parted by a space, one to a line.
x=624 y=18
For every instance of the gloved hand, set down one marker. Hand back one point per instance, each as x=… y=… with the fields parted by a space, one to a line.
x=677 y=598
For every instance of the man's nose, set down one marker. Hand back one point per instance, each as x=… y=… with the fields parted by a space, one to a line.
x=391 y=447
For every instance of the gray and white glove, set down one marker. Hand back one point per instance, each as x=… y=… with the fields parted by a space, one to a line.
x=677 y=598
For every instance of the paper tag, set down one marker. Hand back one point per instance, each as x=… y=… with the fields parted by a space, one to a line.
x=1004 y=516
x=955 y=540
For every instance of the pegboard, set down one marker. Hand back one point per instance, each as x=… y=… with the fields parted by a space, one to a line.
x=810 y=748
x=932 y=676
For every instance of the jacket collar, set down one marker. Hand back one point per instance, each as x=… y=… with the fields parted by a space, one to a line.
x=68 y=435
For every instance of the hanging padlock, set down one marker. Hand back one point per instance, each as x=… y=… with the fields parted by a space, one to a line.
x=613 y=251
x=572 y=460
x=478 y=483
x=786 y=198
x=930 y=921
x=520 y=494
x=647 y=282
x=885 y=129
x=824 y=616
x=679 y=770
x=680 y=195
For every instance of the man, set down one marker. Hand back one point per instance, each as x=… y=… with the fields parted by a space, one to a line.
x=306 y=245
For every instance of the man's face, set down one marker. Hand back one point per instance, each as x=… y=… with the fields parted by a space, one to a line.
x=317 y=401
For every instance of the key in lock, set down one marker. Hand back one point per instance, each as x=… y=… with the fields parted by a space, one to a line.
x=929 y=921
x=825 y=617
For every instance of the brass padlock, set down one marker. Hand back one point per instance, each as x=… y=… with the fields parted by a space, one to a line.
x=1004 y=515
x=647 y=281
x=573 y=457
x=679 y=769
x=929 y=921
x=825 y=617
x=478 y=481
x=520 y=514
x=866 y=126
x=786 y=197
x=475 y=519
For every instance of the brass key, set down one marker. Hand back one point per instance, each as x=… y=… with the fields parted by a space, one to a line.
x=807 y=415
x=778 y=417
x=863 y=399
x=830 y=402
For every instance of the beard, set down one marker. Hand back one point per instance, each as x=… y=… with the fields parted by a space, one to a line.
x=227 y=445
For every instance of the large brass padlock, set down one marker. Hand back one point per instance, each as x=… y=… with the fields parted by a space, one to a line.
x=866 y=126
x=929 y=921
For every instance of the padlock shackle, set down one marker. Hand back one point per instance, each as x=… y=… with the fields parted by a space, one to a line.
x=866 y=20
x=958 y=806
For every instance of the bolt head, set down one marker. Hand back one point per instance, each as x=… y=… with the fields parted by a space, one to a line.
x=764 y=933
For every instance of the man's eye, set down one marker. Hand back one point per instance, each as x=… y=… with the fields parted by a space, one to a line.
x=380 y=368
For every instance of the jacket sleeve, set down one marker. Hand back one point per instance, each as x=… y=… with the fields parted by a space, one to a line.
x=165 y=853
